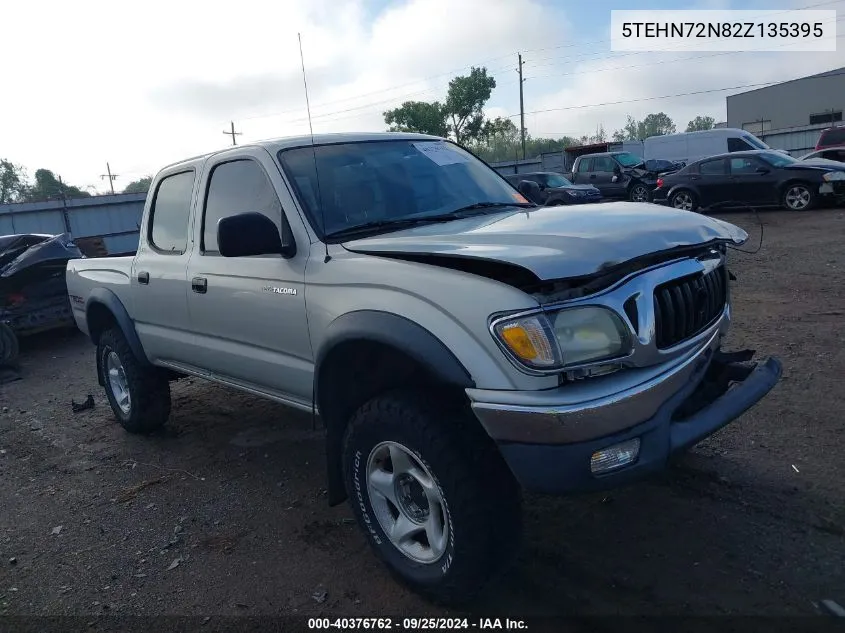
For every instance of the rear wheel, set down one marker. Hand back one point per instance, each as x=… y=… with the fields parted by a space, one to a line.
x=683 y=199
x=798 y=196
x=432 y=494
x=139 y=395
x=639 y=193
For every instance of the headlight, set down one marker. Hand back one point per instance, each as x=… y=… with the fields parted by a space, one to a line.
x=833 y=175
x=572 y=193
x=565 y=338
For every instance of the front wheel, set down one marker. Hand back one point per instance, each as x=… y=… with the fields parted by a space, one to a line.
x=639 y=193
x=139 y=395
x=798 y=196
x=433 y=496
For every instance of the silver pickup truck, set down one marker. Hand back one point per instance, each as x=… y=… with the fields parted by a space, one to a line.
x=459 y=343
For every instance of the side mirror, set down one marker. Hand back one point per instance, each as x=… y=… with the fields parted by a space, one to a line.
x=762 y=170
x=529 y=189
x=246 y=234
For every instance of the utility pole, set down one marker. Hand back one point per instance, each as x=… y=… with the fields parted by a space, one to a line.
x=110 y=176
x=232 y=133
x=521 y=106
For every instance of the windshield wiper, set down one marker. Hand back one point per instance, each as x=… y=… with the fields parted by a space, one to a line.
x=401 y=223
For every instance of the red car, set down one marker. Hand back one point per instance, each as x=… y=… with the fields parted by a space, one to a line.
x=831 y=137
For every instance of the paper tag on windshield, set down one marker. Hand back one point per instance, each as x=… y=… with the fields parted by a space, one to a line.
x=440 y=152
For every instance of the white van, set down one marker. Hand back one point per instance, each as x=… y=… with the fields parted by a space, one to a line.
x=692 y=146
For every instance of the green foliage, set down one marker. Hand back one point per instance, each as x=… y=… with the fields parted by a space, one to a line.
x=464 y=103
x=47 y=186
x=13 y=186
x=655 y=124
x=701 y=123
x=139 y=186
x=418 y=116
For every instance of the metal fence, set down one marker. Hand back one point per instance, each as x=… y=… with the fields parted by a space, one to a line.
x=113 y=218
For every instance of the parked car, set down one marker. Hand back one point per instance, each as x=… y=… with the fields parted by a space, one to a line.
x=823 y=156
x=615 y=175
x=831 y=137
x=758 y=178
x=692 y=146
x=554 y=189
x=33 y=294
x=457 y=341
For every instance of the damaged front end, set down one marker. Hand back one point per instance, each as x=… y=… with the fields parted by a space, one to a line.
x=33 y=291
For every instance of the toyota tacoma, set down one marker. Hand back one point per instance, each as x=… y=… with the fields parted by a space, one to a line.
x=458 y=343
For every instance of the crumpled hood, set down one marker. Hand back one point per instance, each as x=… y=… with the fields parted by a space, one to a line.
x=558 y=242
x=585 y=188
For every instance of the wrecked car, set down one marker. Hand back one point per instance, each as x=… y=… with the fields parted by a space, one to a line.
x=620 y=174
x=458 y=342
x=33 y=294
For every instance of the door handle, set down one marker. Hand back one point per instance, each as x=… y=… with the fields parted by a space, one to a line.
x=592 y=176
x=143 y=277
x=199 y=285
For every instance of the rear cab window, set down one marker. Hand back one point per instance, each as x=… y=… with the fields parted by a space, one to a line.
x=170 y=213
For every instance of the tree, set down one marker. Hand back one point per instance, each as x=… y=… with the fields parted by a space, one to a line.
x=464 y=102
x=701 y=123
x=655 y=124
x=139 y=186
x=418 y=116
x=48 y=186
x=12 y=182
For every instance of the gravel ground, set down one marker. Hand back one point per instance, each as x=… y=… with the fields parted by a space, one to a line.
x=224 y=513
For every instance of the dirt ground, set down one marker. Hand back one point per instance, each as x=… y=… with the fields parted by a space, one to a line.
x=225 y=513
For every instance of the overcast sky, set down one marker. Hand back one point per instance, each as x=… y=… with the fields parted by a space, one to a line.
x=141 y=84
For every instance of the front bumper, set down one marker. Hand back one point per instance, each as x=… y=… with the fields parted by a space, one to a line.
x=549 y=448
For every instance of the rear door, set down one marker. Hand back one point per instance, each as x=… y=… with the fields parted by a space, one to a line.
x=752 y=180
x=159 y=270
x=249 y=312
x=582 y=172
x=712 y=182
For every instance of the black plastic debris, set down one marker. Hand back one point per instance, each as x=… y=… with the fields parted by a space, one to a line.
x=88 y=404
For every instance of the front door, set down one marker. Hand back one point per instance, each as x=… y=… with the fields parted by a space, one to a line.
x=604 y=172
x=249 y=312
x=752 y=181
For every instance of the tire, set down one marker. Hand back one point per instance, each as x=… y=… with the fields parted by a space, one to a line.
x=473 y=500
x=685 y=198
x=147 y=406
x=798 y=196
x=639 y=193
x=9 y=348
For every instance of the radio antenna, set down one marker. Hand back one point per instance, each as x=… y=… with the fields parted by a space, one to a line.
x=313 y=149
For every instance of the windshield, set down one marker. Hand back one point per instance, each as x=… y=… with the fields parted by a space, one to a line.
x=389 y=181
x=626 y=159
x=754 y=141
x=555 y=180
x=777 y=159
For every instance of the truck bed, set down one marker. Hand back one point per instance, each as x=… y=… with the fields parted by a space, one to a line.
x=109 y=273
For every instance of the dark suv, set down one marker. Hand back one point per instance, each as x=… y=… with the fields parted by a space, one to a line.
x=554 y=189
x=616 y=175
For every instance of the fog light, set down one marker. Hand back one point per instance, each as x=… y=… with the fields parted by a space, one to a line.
x=615 y=456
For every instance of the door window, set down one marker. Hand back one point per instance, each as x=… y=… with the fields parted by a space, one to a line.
x=603 y=163
x=743 y=166
x=712 y=168
x=238 y=186
x=736 y=144
x=169 y=213
x=586 y=165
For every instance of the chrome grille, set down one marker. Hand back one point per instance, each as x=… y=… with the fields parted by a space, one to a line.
x=686 y=306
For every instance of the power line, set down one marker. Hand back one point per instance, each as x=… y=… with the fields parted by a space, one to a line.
x=681 y=94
